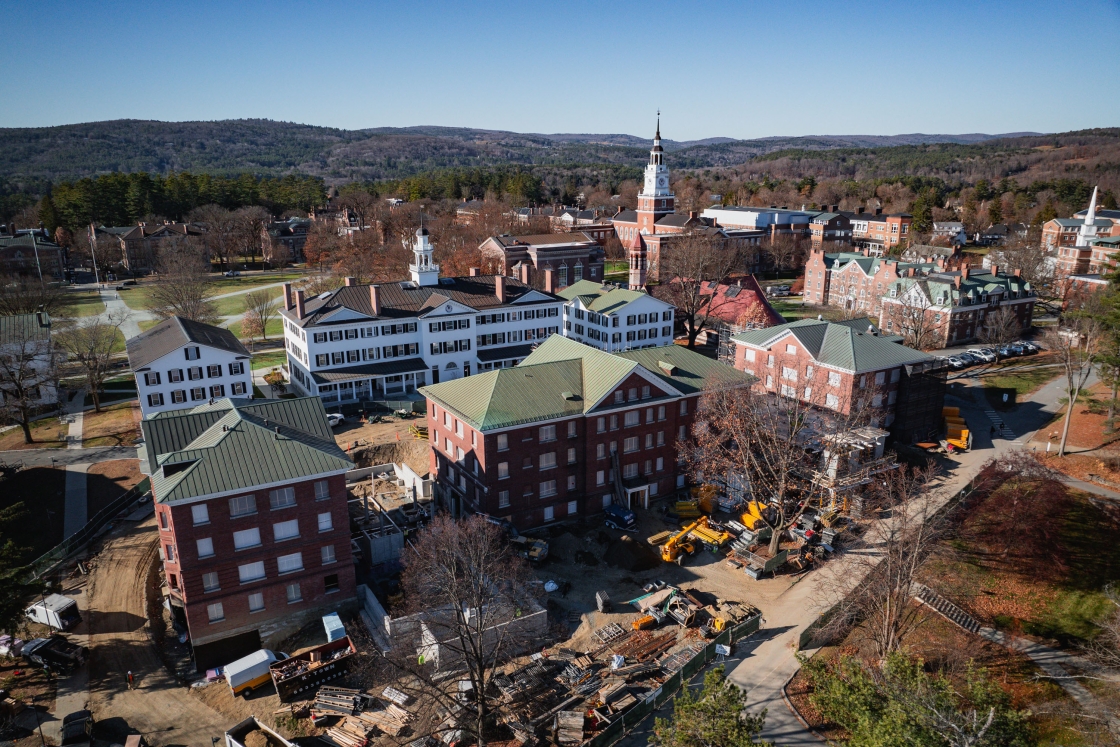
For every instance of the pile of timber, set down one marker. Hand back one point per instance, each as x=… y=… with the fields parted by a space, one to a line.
x=350 y=732
x=340 y=700
x=569 y=727
x=643 y=646
x=394 y=695
x=390 y=718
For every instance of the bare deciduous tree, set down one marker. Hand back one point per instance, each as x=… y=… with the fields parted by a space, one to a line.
x=362 y=205
x=91 y=342
x=249 y=233
x=20 y=294
x=898 y=545
x=684 y=267
x=913 y=316
x=183 y=287
x=1075 y=347
x=28 y=370
x=786 y=252
x=1001 y=327
x=468 y=591
x=221 y=228
x=260 y=309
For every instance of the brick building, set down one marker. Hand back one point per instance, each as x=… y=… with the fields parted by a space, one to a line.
x=558 y=436
x=830 y=227
x=880 y=233
x=856 y=280
x=1076 y=241
x=949 y=308
x=254 y=531
x=32 y=254
x=571 y=256
x=846 y=366
x=139 y=245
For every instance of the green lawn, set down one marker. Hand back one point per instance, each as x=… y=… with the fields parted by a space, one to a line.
x=1023 y=382
x=236 y=304
x=139 y=296
x=271 y=359
x=136 y=297
x=83 y=304
x=247 y=283
x=147 y=324
x=274 y=329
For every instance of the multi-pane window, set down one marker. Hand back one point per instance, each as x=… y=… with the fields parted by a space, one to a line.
x=200 y=514
x=198 y=393
x=285 y=530
x=601 y=425
x=503 y=442
x=322 y=490
x=630 y=470
x=282 y=498
x=236 y=369
x=215 y=613
x=634 y=417
x=246 y=538
x=630 y=445
x=152 y=379
x=205 y=547
x=548 y=461
x=256 y=602
x=218 y=390
x=290 y=563
x=179 y=396
x=214 y=371
x=194 y=373
x=503 y=499
x=548 y=433
x=327 y=552
x=600 y=451
x=326 y=523
x=250 y=572
x=571 y=456
x=242 y=505
x=503 y=470
x=600 y=477
x=571 y=429
x=571 y=482
x=155 y=400
x=175 y=375
x=294 y=594
x=833 y=378
x=238 y=387
x=210 y=582
x=548 y=488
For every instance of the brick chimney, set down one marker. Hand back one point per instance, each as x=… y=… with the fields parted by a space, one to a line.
x=299 y=304
x=351 y=281
x=526 y=273
x=500 y=288
x=964 y=273
x=549 y=280
x=692 y=215
x=995 y=270
x=878 y=211
x=1018 y=273
x=287 y=296
x=375 y=299
x=475 y=272
x=859 y=210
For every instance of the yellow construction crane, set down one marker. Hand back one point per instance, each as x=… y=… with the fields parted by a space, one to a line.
x=679 y=545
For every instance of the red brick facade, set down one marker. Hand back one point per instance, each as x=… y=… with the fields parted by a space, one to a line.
x=581 y=450
x=319 y=581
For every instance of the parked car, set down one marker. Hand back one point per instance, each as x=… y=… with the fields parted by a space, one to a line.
x=778 y=290
x=335 y=418
x=956 y=362
x=77 y=729
x=1018 y=349
x=232 y=273
x=1030 y=347
x=984 y=354
x=969 y=359
x=1006 y=352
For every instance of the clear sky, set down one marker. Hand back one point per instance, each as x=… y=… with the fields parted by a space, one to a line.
x=735 y=69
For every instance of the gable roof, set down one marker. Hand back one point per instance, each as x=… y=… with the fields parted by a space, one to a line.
x=944 y=283
x=175 y=332
x=233 y=445
x=563 y=378
x=625 y=216
x=846 y=345
x=575 y=238
x=599 y=298
x=25 y=328
x=404 y=299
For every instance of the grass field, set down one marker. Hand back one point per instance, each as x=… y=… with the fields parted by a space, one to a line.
x=236 y=304
x=147 y=324
x=83 y=304
x=273 y=329
x=139 y=296
x=47 y=434
x=271 y=359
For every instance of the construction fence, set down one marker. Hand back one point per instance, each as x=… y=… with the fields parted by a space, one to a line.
x=49 y=560
x=633 y=717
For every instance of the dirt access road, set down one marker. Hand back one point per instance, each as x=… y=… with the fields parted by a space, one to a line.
x=160 y=708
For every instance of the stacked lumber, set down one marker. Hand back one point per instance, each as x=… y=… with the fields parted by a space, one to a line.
x=611 y=689
x=569 y=727
x=396 y=696
x=390 y=719
x=341 y=700
x=349 y=732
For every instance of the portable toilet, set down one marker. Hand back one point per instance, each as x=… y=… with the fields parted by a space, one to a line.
x=333 y=626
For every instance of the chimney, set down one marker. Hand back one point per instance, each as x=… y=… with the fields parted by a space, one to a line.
x=995 y=269
x=299 y=304
x=835 y=209
x=878 y=211
x=351 y=281
x=549 y=280
x=500 y=288
x=964 y=272
x=375 y=299
x=692 y=215
x=287 y=296
x=958 y=281
x=526 y=273
x=910 y=272
x=475 y=271
x=859 y=210
x=1018 y=273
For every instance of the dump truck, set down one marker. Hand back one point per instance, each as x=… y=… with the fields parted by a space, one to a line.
x=250 y=672
x=56 y=611
x=679 y=545
x=302 y=674
x=238 y=735
x=55 y=652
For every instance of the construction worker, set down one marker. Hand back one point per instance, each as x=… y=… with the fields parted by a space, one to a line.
x=131 y=681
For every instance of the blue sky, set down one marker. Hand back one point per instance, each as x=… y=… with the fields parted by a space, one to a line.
x=735 y=69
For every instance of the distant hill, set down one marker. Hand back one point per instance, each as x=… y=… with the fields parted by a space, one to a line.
x=266 y=147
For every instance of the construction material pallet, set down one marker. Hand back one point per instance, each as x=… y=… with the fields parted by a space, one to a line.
x=609 y=633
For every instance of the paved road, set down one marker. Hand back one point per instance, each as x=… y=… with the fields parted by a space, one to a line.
x=64 y=457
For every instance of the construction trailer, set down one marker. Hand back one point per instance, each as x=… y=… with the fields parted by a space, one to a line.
x=921 y=395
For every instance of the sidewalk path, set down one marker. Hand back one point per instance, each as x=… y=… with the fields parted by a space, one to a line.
x=74 y=412
x=66 y=457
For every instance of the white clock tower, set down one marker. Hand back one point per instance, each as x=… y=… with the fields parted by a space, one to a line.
x=655 y=201
x=423 y=270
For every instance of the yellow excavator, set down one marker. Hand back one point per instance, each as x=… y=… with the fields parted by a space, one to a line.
x=752 y=517
x=679 y=545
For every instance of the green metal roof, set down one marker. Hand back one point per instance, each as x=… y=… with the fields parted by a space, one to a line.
x=974 y=286
x=841 y=346
x=237 y=444
x=602 y=299
x=562 y=378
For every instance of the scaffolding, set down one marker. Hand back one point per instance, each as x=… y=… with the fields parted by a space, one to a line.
x=921 y=395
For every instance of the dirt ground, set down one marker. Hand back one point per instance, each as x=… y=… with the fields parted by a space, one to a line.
x=108 y=481
x=1088 y=428
x=115 y=425
x=160 y=707
x=381 y=443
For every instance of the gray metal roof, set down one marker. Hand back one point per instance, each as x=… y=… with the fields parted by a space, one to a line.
x=854 y=345
x=172 y=334
x=25 y=328
x=232 y=445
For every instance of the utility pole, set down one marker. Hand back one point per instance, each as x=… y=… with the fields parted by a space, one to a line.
x=93 y=253
x=35 y=248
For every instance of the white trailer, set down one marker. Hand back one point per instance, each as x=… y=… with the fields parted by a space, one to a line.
x=56 y=611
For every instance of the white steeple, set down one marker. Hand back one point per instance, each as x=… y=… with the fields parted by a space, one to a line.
x=1088 y=230
x=424 y=270
x=657 y=173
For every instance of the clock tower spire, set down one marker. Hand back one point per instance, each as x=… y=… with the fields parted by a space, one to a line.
x=655 y=201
